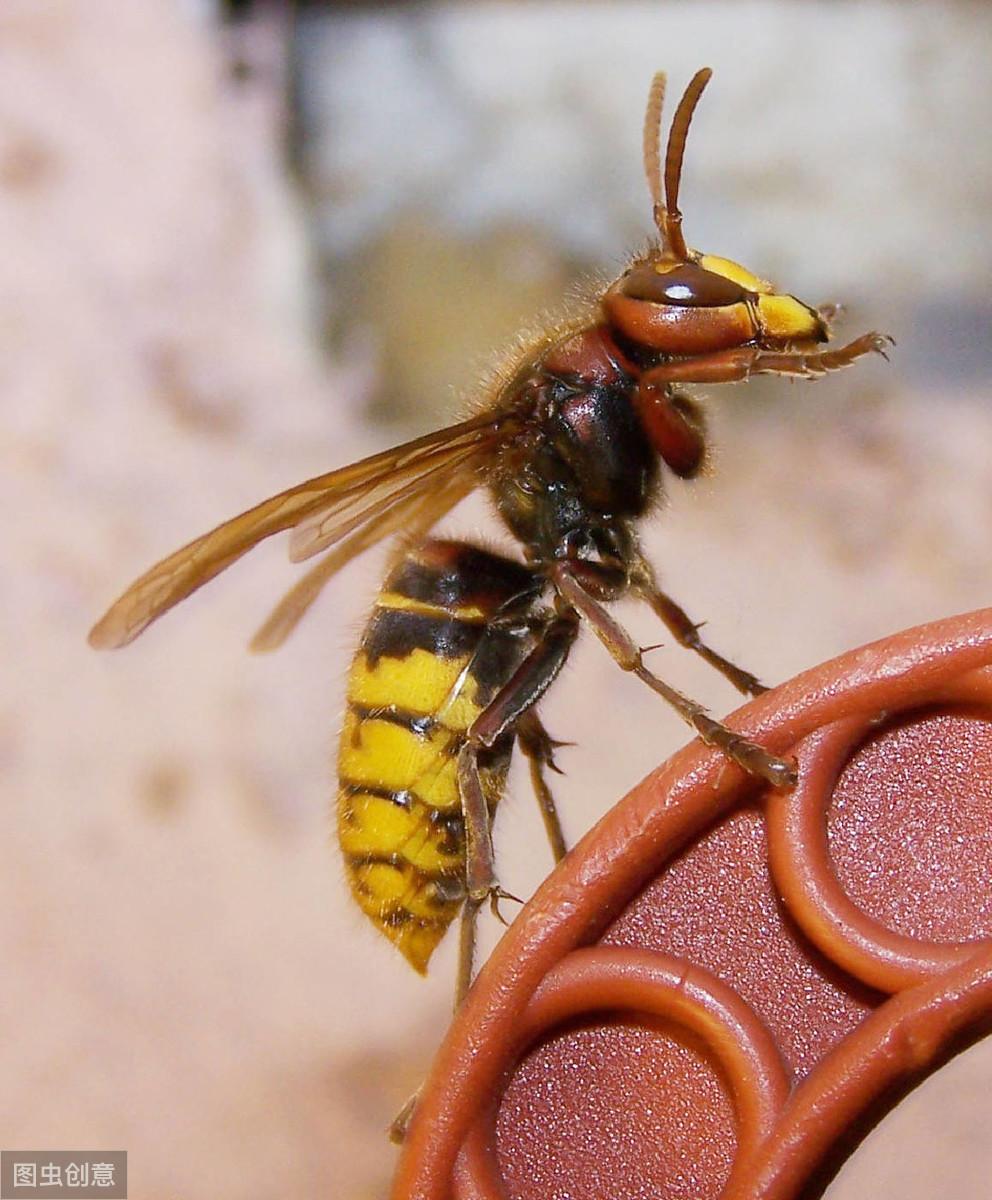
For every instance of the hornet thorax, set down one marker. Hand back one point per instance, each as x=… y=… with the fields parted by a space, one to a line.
x=582 y=468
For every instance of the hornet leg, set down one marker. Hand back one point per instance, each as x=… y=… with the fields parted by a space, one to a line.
x=732 y=366
x=526 y=686
x=779 y=772
x=539 y=747
x=686 y=632
x=466 y=956
x=523 y=690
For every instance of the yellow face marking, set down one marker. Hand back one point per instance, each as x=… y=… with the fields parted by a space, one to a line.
x=468 y=612
x=787 y=318
x=734 y=271
x=421 y=684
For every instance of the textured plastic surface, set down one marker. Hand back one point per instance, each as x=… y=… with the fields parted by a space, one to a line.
x=721 y=989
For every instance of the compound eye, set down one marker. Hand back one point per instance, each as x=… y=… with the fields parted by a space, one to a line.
x=686 y=285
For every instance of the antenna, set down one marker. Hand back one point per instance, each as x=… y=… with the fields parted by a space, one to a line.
x=673 y=161
x=667 y=216
x=652 y=149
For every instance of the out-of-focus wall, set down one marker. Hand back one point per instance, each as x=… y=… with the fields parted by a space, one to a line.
x=207 y=288
x=840 y=150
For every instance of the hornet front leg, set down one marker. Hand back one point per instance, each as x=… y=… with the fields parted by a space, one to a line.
x=733 y=366
x=779 y=772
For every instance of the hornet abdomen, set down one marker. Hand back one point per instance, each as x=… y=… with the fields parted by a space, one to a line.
x=448 y=629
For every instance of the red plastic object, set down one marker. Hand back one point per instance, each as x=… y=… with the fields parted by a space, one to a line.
x=721 y=989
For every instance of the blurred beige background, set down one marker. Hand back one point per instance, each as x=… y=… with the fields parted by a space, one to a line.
x=240 y=250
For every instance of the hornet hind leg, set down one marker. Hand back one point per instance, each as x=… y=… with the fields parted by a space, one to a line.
x=538 y=746
x=507 y=713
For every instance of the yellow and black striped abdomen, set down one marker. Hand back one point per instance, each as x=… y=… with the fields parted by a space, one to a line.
x=430 y=660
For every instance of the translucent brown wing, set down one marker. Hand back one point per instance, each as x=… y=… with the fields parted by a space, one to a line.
x=414 y=515
x=359 y=494
x=341 y=516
